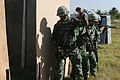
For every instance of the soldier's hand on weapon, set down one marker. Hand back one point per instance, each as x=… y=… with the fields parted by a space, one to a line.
x=60 y=49
x=102 y=28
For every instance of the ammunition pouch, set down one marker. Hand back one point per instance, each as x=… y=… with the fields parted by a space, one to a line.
x=89 y=47
x=59 y=55
x=80 y=42
x=68 y=47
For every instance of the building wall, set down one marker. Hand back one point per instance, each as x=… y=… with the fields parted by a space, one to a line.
x=45 y=20
x=40 y=18
x=14 y=19
x=13 y=9
x=4 y=62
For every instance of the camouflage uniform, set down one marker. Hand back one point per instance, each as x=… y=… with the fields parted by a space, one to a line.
x=97 y=35
x=64 y=38
x=82 y=17
x=91 y=47
x=83 y=20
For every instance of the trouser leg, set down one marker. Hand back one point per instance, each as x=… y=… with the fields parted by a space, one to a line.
x=93 y=63
x=76 y=61
x=85 y=64
x=59 y=75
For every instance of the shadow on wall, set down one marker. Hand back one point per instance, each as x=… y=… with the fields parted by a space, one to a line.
x=46 y=54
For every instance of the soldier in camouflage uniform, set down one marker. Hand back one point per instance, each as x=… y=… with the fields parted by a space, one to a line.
x=97 y=36
x=82 y=17
x=64 y=37
x=91 y=44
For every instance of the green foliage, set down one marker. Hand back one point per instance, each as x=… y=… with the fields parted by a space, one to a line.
x=87 y=11
x=114 y=12
x=109 y=58
x=117 y=16
x=101 y=13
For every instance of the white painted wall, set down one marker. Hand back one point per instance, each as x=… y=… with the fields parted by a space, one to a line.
x=46 y=11
x=4 y=64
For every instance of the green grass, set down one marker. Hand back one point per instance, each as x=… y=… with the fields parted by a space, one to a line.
x=109 y=58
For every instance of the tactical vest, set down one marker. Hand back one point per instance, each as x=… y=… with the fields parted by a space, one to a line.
x=92 y=32
x=67 y=35
x=91 y=35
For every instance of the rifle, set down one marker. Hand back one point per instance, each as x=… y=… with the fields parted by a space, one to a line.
x=107 y=26
x=93 y=47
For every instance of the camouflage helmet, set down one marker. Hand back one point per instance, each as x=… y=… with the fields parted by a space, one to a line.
x=93 y=17
x=62 y=10
x=99 y=18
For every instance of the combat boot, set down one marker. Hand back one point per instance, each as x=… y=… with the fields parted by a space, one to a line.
x=86 y=77
x=93 y=74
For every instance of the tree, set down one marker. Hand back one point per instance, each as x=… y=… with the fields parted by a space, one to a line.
x=113 y=12
x=100 y=12
x=117 y=16
x=86 y=11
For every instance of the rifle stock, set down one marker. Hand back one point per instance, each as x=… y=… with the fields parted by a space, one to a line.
x=107 y=26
